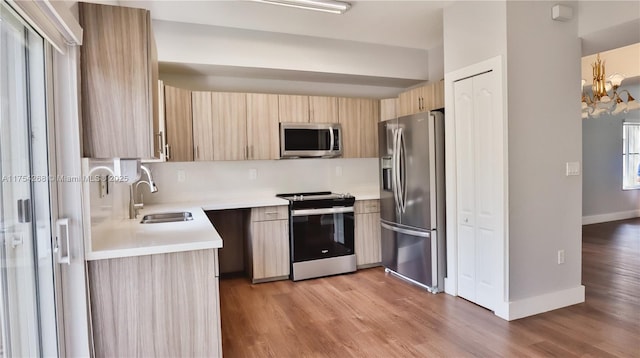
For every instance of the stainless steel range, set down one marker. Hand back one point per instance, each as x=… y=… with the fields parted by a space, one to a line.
x=321 y=234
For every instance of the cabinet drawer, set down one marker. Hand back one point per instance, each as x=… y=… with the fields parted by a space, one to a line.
x=270 y=213
x=367 y=206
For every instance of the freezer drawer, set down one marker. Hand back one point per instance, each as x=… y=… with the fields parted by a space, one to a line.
x=409 y=253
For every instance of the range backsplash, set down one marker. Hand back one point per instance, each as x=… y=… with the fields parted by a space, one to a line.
x=202 y=180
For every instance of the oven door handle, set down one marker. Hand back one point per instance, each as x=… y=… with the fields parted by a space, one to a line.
x=336 y=210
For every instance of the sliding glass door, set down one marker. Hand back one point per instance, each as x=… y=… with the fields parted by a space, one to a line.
x=27 y=289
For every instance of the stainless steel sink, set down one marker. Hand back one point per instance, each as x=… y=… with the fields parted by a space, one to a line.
x=167 y=217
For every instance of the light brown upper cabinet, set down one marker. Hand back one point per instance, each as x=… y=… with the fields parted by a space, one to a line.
x=414 y=101
x=438 y=95
x=202 y=112
x=229 y=125
x=388 y=108
x=293 y=108
x=262 y=126
x=119 y=73
x=178 y=118
x=421 y=99
x=323 y=109
x=359 y=120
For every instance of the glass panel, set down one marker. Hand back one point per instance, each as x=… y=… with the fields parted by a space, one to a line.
x=322 y=236
x=27 y=303
x=630 y=155
x=307 y=139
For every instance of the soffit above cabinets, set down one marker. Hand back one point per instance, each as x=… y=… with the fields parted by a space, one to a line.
x=411 y=24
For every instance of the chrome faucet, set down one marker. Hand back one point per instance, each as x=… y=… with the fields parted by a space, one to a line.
x=133 y=189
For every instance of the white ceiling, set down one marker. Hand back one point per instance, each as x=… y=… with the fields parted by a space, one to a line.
x=412 y=24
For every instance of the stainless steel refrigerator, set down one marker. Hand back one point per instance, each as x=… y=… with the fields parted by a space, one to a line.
x=412 y=202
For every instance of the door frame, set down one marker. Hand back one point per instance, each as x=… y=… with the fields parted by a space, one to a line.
x=498 y=66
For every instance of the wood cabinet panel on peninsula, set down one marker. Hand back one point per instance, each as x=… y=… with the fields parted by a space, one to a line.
x=119 y=89
x=163 y=305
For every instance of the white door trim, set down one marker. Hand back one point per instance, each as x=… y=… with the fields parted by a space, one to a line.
x=498 y=65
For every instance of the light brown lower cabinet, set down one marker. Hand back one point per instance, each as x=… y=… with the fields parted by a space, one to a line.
x=156 y=305
x=367 y=233
x=268 y=244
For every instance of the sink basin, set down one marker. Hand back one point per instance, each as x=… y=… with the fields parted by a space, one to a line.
x=167 y=217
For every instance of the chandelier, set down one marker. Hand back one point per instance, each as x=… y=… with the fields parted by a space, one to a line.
x=601 y=102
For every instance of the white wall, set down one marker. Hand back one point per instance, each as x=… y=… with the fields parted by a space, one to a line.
x=545 y=132
x=208 y=180
x=261 y=85
x=436 y=63
x=474 y=31
x=602 y=197
x=214 y=45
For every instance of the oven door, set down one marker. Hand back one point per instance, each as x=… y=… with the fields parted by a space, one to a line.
x=321 y=233
x=310 y=140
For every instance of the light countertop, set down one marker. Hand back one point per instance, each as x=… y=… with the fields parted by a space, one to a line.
x=128 y=237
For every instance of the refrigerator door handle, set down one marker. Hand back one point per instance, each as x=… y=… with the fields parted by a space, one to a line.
x=403 y=173
x=432 y=170
x=406 y=231
x=394 y=172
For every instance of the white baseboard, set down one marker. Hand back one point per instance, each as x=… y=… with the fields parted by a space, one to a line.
x=543 y=303
x=602 y=218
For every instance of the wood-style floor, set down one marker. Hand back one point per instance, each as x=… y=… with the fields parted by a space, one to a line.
x=371 y=314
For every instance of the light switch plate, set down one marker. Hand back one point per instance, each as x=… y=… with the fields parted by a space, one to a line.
x=253 y=174
x=181 y=176
x=573 y=168
x=338 y=171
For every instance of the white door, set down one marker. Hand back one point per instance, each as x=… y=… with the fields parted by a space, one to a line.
x=480 y=168
x=27 y=289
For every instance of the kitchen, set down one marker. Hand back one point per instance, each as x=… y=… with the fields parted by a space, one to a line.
x=357 y=176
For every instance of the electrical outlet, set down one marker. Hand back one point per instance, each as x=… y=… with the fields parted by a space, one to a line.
x=182 y=177
x=102 y=185
x=338 y=171
x=253 y=174
x=573 y=168
x=560 y=257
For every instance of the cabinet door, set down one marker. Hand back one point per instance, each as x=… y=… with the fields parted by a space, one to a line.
x=369 y=114
x=480 y=193
x=359 y=120
x=263 y=136
x=202 y=125
x=116 y=82
x=323 y=109
x=405 y=104
x=229 y=125
x=293 y=108
x=349 y=115
x=270 y=249
x=437 y=95
x=388 y=108
x=425 y=98
x=177 y=109
x=367 y=239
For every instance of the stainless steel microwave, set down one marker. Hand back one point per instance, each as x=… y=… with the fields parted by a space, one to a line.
x=310 y=140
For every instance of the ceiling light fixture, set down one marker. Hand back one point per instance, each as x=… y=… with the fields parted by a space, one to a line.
x=334 y=7
x=601 y=102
